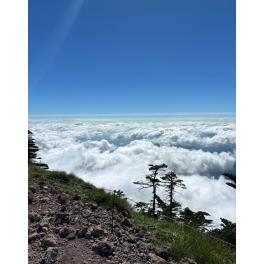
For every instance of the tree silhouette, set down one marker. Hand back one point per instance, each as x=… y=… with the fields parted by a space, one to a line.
x=170 y=181
x=166 y=208
x=32 y=148
x=32 y=152
x=152 y=181
x=142 y=207
x=232 y=178
x=120 y=195
x=227 y=232
x=195 y=219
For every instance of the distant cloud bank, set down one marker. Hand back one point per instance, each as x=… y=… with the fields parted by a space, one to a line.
x=112 y=153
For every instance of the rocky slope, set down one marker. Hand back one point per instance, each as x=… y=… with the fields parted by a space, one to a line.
x=63 y=229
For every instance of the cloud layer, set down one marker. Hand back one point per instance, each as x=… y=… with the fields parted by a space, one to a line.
x=113 y=153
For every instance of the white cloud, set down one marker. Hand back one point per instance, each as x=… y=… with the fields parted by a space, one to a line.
x=114 y=153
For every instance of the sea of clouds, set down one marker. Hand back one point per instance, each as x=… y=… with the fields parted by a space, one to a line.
x=114 y=152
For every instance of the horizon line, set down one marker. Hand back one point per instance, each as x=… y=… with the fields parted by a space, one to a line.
x=137 y=114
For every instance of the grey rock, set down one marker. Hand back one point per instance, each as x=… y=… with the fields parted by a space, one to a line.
x=126 y=222
x=97 y=231
x=33 y=237
x=187 y=261
x=30 y=197
x=47 y=242
x=44 y=200
x=131 y=239
x=50 y=256
x=63 y=198
x=71 y=236
x=64 y=231
x=62 y=218
x=156 y=259
x=34 y=217
x=103 y=248
x=81 y=232
x=163 y=252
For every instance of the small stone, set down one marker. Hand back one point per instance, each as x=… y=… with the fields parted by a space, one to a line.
x=63 y=198
x=187 y=261
x=48 y=242
x=76 y=197
x=117 y=232
x=156 y=259
x=81 y=232
x=97 y=231
x=71 y=236
x=30 y=196
x=126 y=222
x=92 y=205
x=103 y=248
x=50 y=256
x=33 y=237
x=64 y=231
x=88 y=235
x=163 y=252
x=45 y=229
x=43 y=223
x=62 y=218
x=131 y=239
x=93 y=221
x=44 y=200
x=34 y=217
x=141 y=233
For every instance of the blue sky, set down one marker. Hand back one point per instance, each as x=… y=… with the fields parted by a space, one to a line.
x=133 y=56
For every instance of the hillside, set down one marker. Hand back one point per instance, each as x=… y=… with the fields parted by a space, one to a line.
x=71 y=221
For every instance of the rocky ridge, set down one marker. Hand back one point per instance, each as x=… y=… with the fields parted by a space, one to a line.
x=63 y=229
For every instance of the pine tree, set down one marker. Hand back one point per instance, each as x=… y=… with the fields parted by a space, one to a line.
x=227 y=231
x=170 y=181
x=152 y=181
x=142 y=207
x=195 y=219
x=32 y=152
x=120 y=195
x=32 y=148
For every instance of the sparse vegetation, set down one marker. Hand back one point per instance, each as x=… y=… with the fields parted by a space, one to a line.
x=69 y=183
x=185 y=241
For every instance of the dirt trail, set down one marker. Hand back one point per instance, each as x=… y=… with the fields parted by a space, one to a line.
x=63 y=229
